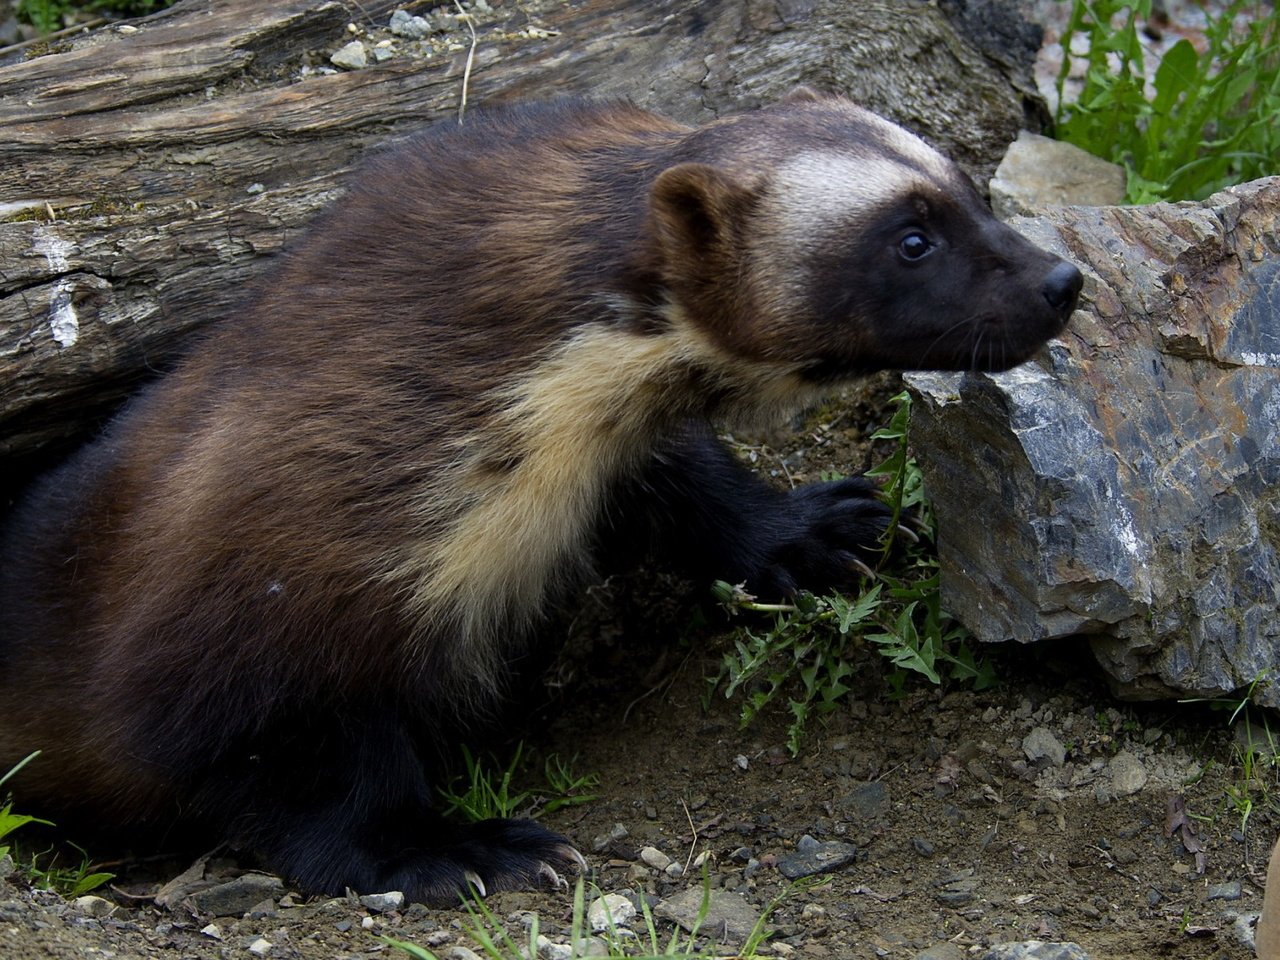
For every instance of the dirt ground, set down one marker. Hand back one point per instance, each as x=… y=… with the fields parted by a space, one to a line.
x=962 y=839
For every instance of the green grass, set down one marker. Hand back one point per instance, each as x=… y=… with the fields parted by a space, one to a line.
x=1210 y=119
x=486 y=789
x=43 y=869
x=495 y=943
x=47 y=15
x=804 y=653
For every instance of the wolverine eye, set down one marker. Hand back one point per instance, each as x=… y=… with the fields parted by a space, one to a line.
x=914 y=246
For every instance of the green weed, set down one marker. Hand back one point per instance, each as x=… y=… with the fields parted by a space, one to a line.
x=1210 y=119
x=804 y=653
x=486 y=790
x=43 y=868
x=10 y=821
x=497 y=944
x=48 y=15
x=1257 y=758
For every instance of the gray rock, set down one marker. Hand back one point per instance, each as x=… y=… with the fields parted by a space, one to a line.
x=1124 y=485
x=1040 y=744
x=1039 y=172
x=1036 y=950
x=655 y=858
x=352 y=56
x=941 y=951
x=382 y=902
x=91 y=906
x=1231 y=890
x=729 y=918
x=811 y=857
x=238 y=896
x=405 y=24
x=611 y=910
x=1128 y=775
x=867 y=801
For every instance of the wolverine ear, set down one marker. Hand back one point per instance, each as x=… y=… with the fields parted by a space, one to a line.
x=803 y=94
x=698 y=211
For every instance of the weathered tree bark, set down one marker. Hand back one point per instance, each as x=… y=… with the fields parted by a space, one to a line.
x=147 y=175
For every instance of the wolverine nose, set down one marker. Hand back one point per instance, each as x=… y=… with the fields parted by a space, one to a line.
x=1062 y=287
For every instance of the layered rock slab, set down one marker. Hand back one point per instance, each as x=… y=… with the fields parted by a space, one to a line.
x=1123 y=487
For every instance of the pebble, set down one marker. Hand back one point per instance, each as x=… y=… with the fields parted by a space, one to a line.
x=405 y=24
x=92 y=906
x=1225 y=891
x=260 y=947
x=212 y=931
x=811 y=857
x=1128 y=775
x=728 y=915
x=1040 y=744
x=237 y=897
x=941 y=951
x=868 y=801
x=1036 y=950
x=550 y=950
x=459 y=952
x=922 y=846
x=611 y=910
x=655 y=858
x=382 y=902
x=352 y=56
x=619 y=832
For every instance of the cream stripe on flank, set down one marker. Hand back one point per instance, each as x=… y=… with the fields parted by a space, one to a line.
x=582 y=419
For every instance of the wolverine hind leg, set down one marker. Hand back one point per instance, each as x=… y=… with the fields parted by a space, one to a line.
x=344 y=801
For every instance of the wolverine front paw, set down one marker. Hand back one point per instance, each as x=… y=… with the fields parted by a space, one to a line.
x=830 y=535
x=486 y=857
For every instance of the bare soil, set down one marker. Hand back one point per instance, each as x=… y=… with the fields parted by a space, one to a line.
x=961 y=837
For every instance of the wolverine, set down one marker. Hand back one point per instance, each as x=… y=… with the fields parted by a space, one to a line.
x=267 y=601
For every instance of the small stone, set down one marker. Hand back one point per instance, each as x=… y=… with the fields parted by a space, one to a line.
x=481 y=6
x=263 y=910
x=1225 y=891
x=867 y=801
x=260 y=947
x=459 y=952
x=367 y=923
x=941 y=951
x=741 y=761
x=382 y=902
x=1041 y=744
x=813 y=912
x=655 y=858
x=922 y=846
x=728 y=917
x=550 y=950
x=674 y=870
x=212 y=931
x=405 y=24
x=383 y=52
x=352 y=56
x=1128 y=775
x=611 y=910
x=811 y=857
x=92 y=906
x=236 y=897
